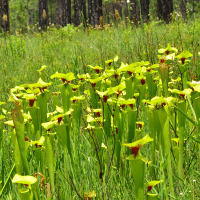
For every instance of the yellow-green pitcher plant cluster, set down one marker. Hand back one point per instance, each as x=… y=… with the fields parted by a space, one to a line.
x=124 y=109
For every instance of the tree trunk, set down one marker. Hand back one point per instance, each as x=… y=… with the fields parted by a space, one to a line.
x=107 y=11
x=59 y=13
x=89 y=11
x=93 y=6
x=126 y=10
x=43 y=14
x=118 y=6
x=28 y=13
x=50 y=11
x=63 y=12
x=77 y=12
x=67 y=12
x=159 y=9
x=95 y=12
x=165 y=10
x=84 y=14
x=144 y=4
x=183 y=9
x=100 y=10
x=134 y=12
x=5 y=21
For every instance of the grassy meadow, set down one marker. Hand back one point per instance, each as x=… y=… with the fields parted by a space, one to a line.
x=71 y=49
x=93 y=164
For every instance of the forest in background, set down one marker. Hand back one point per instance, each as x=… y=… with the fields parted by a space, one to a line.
x=21 y=14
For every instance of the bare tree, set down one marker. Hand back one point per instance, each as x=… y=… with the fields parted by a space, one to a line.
x=5 y=22
x=43 y=14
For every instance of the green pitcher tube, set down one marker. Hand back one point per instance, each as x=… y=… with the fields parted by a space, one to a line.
x=164 y=121
x=25 y=194
x=181 y=124
x=131 y=125
x=107 y=118
x=18 y=120
x=49 y=144
x=137 y=166
x=66 y=94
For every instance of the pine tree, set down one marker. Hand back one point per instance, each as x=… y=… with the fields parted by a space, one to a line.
x=5 y=22
x=43 y=14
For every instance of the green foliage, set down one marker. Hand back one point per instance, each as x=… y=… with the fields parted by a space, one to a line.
x=71 y=127
x=18 y=14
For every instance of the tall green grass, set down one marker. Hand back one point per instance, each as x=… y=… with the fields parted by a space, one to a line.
x=72 y=49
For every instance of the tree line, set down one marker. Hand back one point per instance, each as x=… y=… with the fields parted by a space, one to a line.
x=89 y=12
